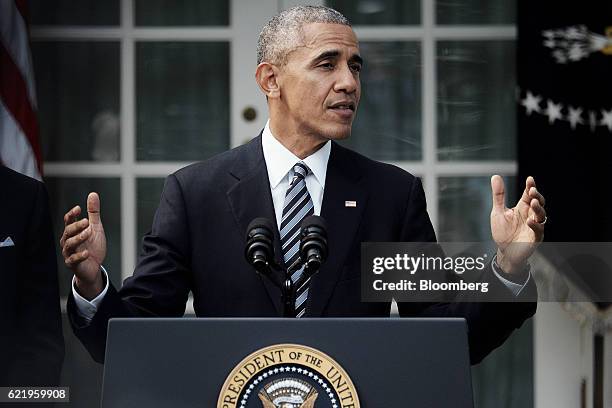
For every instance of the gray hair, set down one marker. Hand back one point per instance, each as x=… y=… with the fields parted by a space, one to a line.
x=283 y=33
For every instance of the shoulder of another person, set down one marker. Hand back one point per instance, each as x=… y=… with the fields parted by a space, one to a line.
x=22 y=190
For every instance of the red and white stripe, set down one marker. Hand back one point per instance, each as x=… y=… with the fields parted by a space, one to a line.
x=19 y=141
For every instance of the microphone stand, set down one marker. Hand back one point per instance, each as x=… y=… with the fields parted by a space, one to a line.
x=289 y=288
x=286 y=286
x=288 y=297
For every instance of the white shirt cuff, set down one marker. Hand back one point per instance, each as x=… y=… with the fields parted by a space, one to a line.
x=88 y=308
x=515 y=288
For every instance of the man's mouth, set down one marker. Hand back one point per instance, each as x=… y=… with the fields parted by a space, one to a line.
x=343 y=105
x=343 y=109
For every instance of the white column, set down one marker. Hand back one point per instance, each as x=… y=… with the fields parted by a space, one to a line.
x=563 y=357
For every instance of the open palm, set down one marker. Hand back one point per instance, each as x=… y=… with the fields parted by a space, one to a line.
x=518 y=230
x=84 y=245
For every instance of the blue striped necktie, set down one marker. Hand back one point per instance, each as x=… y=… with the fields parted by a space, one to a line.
x=298 y=205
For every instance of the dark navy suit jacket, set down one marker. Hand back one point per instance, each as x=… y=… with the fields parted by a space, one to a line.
x=198 y=236
x=31 y=340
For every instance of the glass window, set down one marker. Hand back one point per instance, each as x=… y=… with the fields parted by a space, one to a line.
x=465 y=207
x=147 y=200
x=379 y=12
x=388 y=121
x=182 y=99
x=182 y=12
x=78 y=99
x=476 y=102
x=74 y=13
x=65 y=193
x=475 y=11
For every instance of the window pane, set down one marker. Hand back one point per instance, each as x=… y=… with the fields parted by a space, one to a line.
x=465 y=205
x=70 y=12
x=379 y=12
x=78 y=99
x=476 y=103
x=182 y=12
x=505 y=377
x=475 y=11
x=182 y=100
x=65 y=193
x=388 y=121
x=148 y=193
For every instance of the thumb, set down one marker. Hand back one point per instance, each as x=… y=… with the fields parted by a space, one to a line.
x=498 y=193
x=93 y=208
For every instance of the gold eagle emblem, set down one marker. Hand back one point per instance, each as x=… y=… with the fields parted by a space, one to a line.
x=288 y=393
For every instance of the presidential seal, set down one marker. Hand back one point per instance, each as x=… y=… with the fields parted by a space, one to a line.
x=288 y=376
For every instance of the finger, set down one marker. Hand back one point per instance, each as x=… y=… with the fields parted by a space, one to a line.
x=538 y=212
x=75 y=228
x=93 y=208
x=76 y=258
x=67 y=252
x=69 y=218
x=498 y=193
x=538 y=228
x=72 y=215
x=530 y=182
x=72 y=243
x=534 y=193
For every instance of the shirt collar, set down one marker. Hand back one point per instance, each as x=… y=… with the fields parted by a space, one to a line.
x=279 y=160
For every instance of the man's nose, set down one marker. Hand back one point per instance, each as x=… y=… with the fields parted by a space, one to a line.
x=347 y=80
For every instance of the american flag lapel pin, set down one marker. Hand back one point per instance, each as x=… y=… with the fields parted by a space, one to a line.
x=350 y=203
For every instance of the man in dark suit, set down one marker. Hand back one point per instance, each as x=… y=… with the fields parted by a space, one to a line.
x=308 y=69
x=31 y=340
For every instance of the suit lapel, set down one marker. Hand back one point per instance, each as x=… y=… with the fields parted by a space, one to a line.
x=251 y=198
x=343 y=183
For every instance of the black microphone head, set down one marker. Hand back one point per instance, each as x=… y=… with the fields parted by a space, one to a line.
x=259 y=250
x=313 y=241
x=314 y=221
x=260 y=223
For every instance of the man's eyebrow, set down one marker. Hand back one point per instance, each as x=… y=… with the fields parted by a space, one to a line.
x=335 y=53
x=326 y=55
x=356 y=58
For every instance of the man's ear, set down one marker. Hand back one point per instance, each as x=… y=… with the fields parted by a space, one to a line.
x=266 y=76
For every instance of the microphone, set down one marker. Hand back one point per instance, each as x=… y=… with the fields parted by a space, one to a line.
x=259 y=251
x=313 y=242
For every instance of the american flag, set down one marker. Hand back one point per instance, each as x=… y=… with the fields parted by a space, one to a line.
x=19 y=142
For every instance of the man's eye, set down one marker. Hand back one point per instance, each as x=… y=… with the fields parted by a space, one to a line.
x=356 y=67
x=327 y=65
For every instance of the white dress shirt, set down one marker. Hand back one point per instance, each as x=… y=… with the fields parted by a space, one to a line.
x=279 y=162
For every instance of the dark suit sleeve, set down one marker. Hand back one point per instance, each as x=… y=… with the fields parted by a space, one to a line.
x=39 y=340
x=489 y=323
x=162 y=279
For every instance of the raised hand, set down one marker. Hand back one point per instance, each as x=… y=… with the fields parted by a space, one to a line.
x=83 y=246
x=517 y=231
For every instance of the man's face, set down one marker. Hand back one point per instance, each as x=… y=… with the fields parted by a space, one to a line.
x=319 y=84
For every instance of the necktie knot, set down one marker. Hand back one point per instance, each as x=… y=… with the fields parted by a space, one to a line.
x=300 y=171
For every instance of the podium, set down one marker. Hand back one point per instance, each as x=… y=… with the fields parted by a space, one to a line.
x=269 y=362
